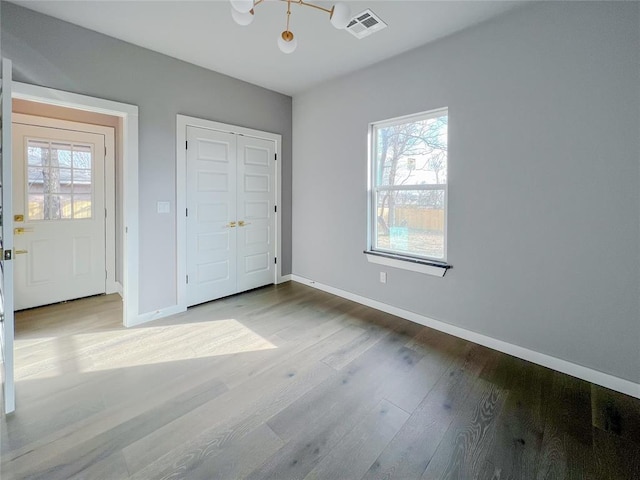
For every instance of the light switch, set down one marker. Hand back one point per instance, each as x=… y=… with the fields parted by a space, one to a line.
x=163 y=207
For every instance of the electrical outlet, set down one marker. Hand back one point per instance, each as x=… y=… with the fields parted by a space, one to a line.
x=383 y=277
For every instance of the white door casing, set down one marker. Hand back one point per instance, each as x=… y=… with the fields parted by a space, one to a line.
x=128 y=157
x=230 y=221
x=61 y=247
x=6 y=259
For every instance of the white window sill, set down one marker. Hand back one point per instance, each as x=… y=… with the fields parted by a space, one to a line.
x=426 y=267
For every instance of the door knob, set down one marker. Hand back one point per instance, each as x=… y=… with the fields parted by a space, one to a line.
x=231 y=224
x=21 y=231
x=242 y=223
x=21 y=252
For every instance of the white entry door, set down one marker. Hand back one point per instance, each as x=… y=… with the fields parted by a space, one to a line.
x=230 y=214
x=59 y=206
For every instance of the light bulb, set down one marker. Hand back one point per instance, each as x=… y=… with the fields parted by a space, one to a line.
x=340 y=15
x=287 y=43
x=242 y=18
x=242 y=6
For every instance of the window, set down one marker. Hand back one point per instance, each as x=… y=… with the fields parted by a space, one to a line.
x=408 y=204
x=59 y=183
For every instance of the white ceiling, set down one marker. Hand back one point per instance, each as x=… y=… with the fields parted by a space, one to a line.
x=203 y=33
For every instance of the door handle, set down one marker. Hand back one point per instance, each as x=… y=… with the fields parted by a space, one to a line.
x=21 y=231
x=21 y=252
x=242 y=223
x=232 y=225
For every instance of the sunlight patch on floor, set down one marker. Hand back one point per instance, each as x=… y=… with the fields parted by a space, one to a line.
x=108 y=350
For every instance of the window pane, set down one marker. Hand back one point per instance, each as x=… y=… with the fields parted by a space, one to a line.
x=60 y=155
x=411 y=222
x=82 y=181
x=412 y=153
x=52 y=207
x=82 y=206
x=35 y=180
x=65 y=206
x=82 y=156
x=36 y=207
x=37 y=153
x=63 y=177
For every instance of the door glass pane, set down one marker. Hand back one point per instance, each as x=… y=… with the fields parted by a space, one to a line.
x=82 y=157
x=59 y=180
x=60 y=155
x=81 y=206
x=37 y=153
x=65 y=206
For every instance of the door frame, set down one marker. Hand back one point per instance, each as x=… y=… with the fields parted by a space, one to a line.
x=7 y=329
x=130 y=236
x=109 y=181
x=182 y=122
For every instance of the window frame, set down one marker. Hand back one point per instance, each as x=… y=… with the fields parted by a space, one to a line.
x=390 y=257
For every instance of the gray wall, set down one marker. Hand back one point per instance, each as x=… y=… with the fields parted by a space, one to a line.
x=48 y=52
x=544 y=209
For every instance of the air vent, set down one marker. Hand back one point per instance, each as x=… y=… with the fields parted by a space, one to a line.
x=365 y=23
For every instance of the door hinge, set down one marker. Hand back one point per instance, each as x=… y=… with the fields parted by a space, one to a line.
x=105 y=151
x=106 y=275
x=275 y=156
x=275 y=259
x=275 y=208
x=186 y=145
x=186 y=212
x=187 y=279
x=105 y=213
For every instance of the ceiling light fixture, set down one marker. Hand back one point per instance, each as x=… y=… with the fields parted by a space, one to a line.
x=242 y=12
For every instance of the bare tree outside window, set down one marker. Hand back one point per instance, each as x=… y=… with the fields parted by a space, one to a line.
x=409 y=185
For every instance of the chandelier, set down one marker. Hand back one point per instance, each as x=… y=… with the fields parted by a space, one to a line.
x=242 y=12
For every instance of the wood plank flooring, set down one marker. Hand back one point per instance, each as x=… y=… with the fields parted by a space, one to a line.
x=288 y=382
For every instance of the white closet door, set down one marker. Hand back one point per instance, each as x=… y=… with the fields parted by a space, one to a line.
x=256 y=217
x=211 y=215
x=231 y=192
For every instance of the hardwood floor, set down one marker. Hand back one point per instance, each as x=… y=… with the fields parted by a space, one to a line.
x=288 y=382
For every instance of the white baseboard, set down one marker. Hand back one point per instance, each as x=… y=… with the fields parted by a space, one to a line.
x=156 y=315
x=173 y=309
x=590 y=375
x=117 y=288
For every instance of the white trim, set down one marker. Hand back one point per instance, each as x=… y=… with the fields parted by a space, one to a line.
x=7 y=330
x=156 y=315
x=129 y=115
x=118 y=287
x=406 y=265
x=590 y=375
x=182 y=122
x=109 y=183
x=284 y=279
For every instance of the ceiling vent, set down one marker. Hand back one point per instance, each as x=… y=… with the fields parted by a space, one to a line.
x=364 y=24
